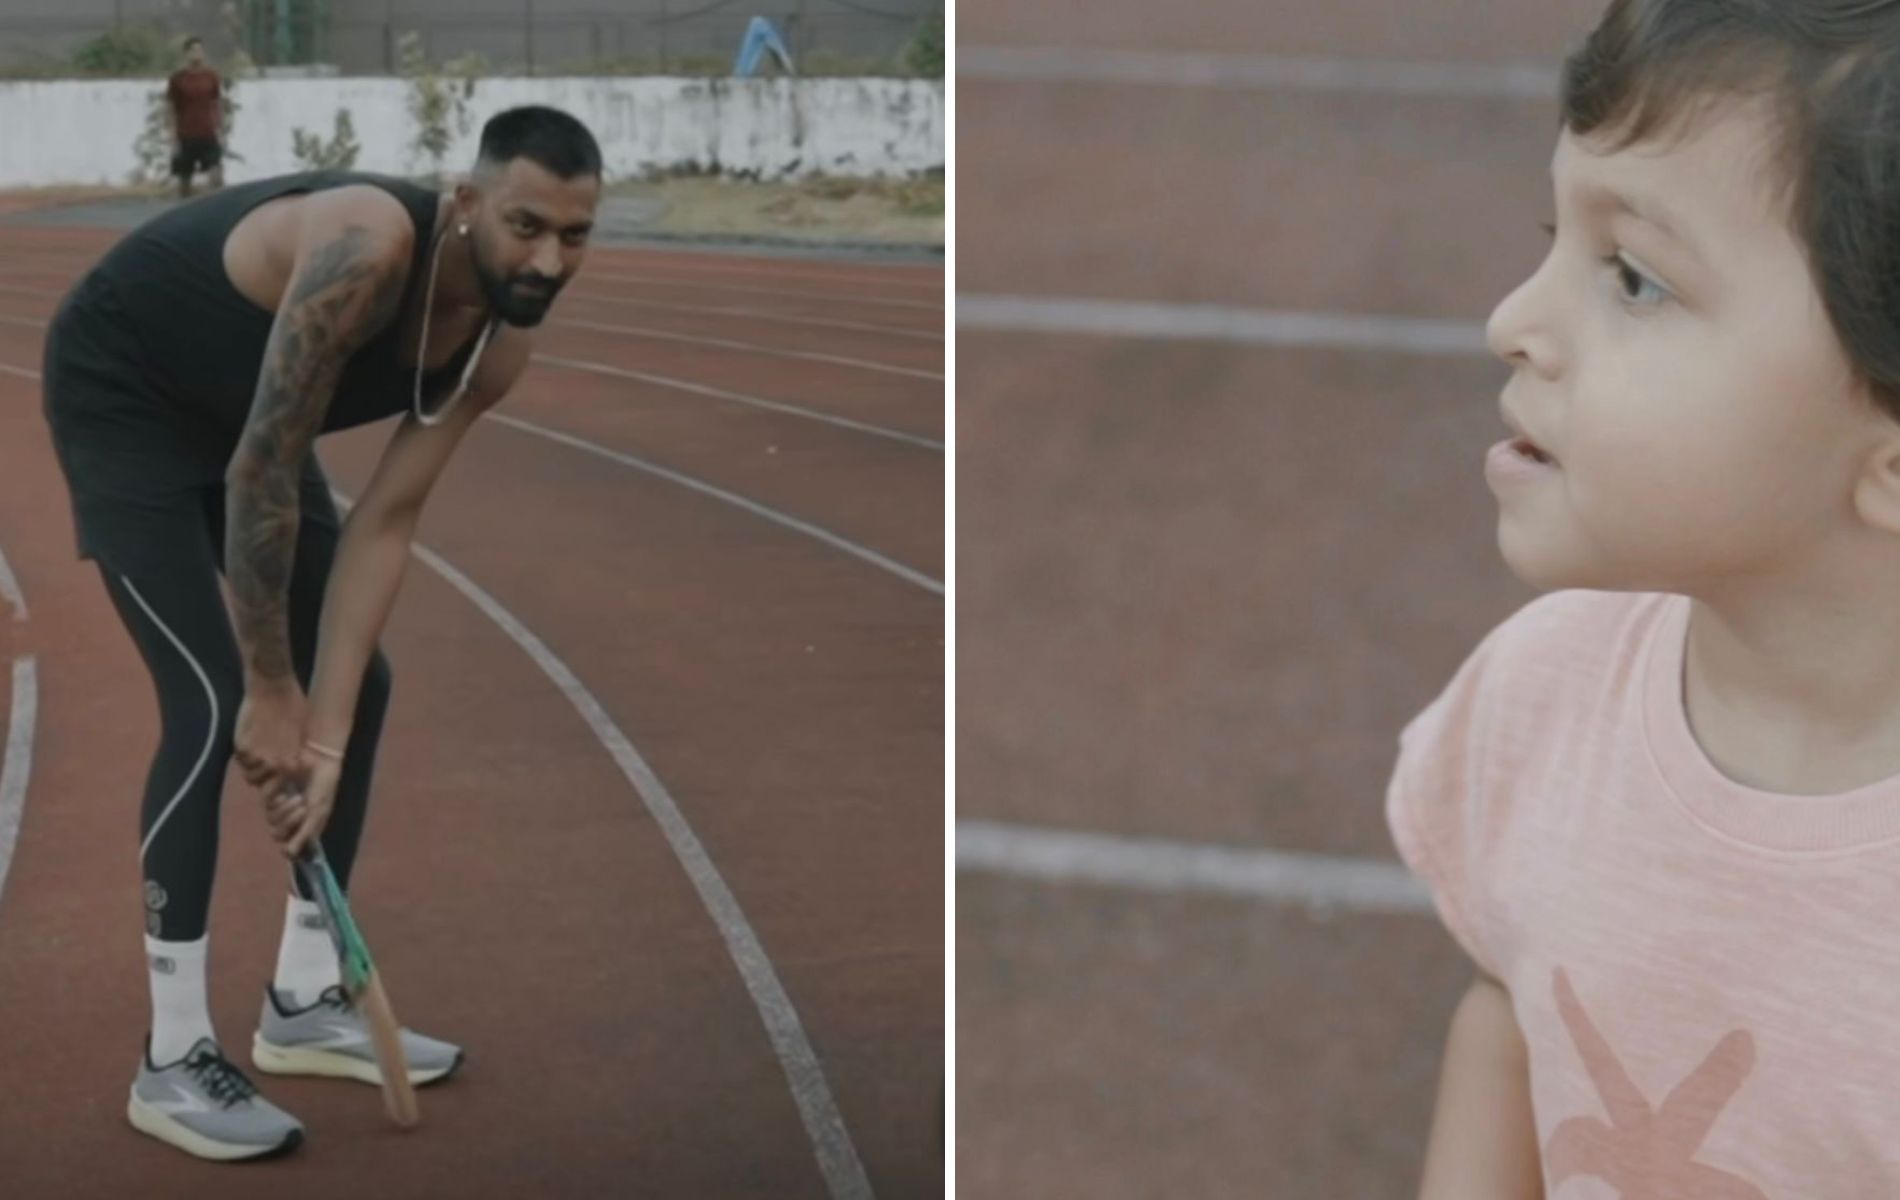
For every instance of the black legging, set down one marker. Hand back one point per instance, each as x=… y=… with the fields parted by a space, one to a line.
x=183 y=630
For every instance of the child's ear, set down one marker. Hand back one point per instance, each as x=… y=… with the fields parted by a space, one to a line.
x=1877 y=491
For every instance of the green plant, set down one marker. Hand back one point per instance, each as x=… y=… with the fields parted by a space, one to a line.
x=924 y=54
x=438 y=96
x=126 y=50
x=339 y=154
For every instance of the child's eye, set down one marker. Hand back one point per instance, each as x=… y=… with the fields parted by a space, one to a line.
x=1634 y=289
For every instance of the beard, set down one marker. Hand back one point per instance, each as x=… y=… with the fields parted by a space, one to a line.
x=520 y=300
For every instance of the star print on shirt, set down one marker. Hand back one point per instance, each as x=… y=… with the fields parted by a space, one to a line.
x=1645 y=1153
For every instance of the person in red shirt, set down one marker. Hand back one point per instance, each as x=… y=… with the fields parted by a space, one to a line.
x=194 y=96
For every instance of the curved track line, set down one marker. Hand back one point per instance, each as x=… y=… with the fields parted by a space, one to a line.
x=682 y=385
x=16 y=762
x=748 y=347
x=752 y=506
x=579 y=364
x=10 y=589
x=831 y=539
x=837 y=1156
x=824 y=1124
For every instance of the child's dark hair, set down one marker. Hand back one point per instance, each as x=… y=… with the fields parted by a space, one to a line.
x=545 y=136
x=1828 y=75
x=193 y=40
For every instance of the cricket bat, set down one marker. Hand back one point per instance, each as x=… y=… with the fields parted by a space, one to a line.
x=362 y=985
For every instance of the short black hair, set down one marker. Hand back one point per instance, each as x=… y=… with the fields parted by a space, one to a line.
x=194 y=40
x=545 y=136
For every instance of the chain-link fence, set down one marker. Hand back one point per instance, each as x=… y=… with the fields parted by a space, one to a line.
x=535 y=37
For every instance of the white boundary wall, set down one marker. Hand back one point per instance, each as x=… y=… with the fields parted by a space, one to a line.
x=83 y=132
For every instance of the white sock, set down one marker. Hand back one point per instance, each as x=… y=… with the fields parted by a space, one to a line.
x=180 y=1015
x=306 y=959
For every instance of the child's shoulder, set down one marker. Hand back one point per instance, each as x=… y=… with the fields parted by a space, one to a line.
x=1571 y=633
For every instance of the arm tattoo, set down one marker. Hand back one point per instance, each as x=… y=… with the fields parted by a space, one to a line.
x=342 y=296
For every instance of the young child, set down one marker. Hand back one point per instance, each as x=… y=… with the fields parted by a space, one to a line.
x=1660 y=805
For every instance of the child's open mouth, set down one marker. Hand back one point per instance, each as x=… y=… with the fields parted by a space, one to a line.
x=1530 y=450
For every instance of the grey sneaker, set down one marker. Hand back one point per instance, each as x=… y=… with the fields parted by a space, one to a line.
x=330 y=1038
x=205 y=1106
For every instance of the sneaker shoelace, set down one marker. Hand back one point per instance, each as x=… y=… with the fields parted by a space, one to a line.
x=222 y=1081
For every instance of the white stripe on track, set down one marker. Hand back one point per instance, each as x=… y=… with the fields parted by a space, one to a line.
x=1220 y=323
x=16 y=760
x=700 y=389
x=10 y=590
x=893 y=276
x=785 y=293
x=1410 y=79
x=824 y=1124
x=664 y=381
x=896 y=568
x=17 y=765
x=749 y=347
x=758 y=314
x=1150 y=864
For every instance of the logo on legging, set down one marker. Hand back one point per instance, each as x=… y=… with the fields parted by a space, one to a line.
x=154 y=905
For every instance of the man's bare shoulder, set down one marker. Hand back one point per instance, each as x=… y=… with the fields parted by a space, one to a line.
x=375 y=222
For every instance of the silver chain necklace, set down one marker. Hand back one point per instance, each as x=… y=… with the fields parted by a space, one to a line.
x=422 y=351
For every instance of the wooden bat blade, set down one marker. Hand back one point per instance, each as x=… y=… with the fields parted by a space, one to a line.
x=399 y=1095
x=363 y=984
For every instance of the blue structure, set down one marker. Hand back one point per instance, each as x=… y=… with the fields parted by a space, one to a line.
x=760 y=37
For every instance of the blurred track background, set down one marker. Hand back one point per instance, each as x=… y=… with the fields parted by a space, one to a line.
x=1223 y=530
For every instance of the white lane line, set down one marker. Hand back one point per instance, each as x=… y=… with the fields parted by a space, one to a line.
x=824 y=1125
x=708 y=268
x=759 y=314
x=1220 y=323
x=752 y=506
x=1160 y=865
x=750 y=348
x=701 y=389
x=10 y=590
x=580 y=364
x=837 y=1156
x=8 y=369
x=831 y=539
x=18 y=763
x=748 y=314
x=1412 y=79
x=786 y=293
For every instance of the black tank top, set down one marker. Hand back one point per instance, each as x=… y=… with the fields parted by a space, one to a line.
x=201 y=341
